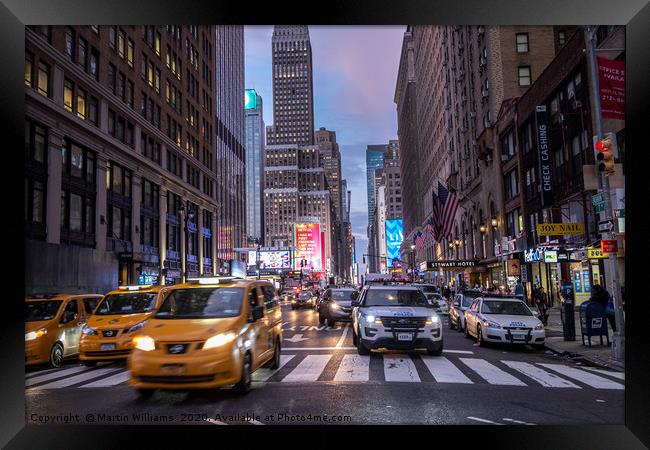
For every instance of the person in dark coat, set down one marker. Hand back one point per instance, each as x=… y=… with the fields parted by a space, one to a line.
x=541 y=300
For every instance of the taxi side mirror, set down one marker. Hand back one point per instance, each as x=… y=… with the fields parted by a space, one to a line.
x=258 y=313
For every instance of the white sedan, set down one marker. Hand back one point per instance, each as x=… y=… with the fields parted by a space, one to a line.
x=503 y=319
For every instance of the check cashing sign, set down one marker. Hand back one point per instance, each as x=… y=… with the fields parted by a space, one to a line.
x=543 y=145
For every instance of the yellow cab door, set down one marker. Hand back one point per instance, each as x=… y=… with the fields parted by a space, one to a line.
x=258 y=329
x=70 y=327
x=272 y=313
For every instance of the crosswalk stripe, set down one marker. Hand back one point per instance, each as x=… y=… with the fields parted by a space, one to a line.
x=400 y=368
x=113 y=380
x=611 y=373
x=584 y=377
x=77 y=378
x=491 y=373
x=444 y=371
x=309 y=368
x=39 y=372
x=264 y=374
x=53 y=375
x=353 y=368
x=543 y=377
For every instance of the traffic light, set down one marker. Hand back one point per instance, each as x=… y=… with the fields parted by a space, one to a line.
x=606 y=152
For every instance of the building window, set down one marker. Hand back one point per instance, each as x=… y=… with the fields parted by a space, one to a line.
x=121 y=44
x=43 y=79
x=69 y=43
x=111 y=37
x=93 y=110
x=68 y=92
x=129 y=53
x=29 y=69
x=94 y=63
x=511 y=184
x=522 y=42
x=82 y=53
x=561 y=37
x=111 y=78
x=524 y=75
x=81 y=103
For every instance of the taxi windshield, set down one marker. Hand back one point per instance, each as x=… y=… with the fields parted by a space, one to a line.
x=509 y=308
x=202 y=303
x=127 y=303
x=41 y=310
x=342 y=295
x=304 y=295
x=394 y=297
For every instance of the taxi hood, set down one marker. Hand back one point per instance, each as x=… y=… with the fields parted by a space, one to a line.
x=399 y=311
x=506 y=320
x=110 y=321
x=35 y=325
x=188 y=329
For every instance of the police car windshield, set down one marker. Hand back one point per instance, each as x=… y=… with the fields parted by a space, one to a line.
x=428 y=289
x=127 y=303
x=505 y=307
x=342 y=295
x=395 y=297
x=202 y=303
x=41 y=310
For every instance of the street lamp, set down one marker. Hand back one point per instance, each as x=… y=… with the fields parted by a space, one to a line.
x=257 y=262
x=413 y=256
x=187 y=214
x=495 y=222
x=482 y=228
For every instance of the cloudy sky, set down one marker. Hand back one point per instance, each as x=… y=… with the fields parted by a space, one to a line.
x=355 y=69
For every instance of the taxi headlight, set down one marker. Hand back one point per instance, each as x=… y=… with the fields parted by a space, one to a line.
x=144 y=343
x=136 y=327
x=219 y=340
x=87 y=331
x=539 y=327
x=334 y=306
x=489 y=324
x=35 y=334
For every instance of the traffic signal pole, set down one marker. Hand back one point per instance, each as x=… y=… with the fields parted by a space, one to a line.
x=618 y=341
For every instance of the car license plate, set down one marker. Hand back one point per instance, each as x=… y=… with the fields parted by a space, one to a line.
x=519 y=337
x=405 y=337
x=172 y=369
x=107 y=347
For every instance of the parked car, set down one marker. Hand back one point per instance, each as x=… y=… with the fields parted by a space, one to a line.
x=335 y=305
x=505 y=320
x=122 y=312
x=439 y=303
x=395 y=317
x=207 y=335
x=53 y=324
x=459 y=305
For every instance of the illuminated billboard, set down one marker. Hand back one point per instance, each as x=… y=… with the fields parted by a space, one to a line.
x=250 y=99
x=394 y=238
x=280 y=259
x=307 y=239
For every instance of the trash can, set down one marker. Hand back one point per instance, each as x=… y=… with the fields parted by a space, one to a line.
x=567 y=313
x=593 y=322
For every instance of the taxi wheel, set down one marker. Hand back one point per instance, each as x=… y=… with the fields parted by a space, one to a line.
x=467 y=335
x=275 y=361
x=145 y=393
x=244 y=384
x=56 y=355
x=89 y=363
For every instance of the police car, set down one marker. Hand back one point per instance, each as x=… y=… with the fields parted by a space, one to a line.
x=503 y=319
x=395 y=317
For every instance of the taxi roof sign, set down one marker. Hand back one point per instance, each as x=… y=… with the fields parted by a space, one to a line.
x=136 y=287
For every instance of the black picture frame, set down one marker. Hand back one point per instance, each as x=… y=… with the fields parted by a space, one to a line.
x=15 y=14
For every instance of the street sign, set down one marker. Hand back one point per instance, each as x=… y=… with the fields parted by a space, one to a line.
x=619 y=213
x=609 y=246
x=600 y=207
x=605 y=226
x=598 y=198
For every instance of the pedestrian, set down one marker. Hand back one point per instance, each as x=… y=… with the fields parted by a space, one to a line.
x=519 y=290
x=541 y=300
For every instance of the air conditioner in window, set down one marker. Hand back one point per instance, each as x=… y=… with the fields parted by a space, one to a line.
x=485 y=93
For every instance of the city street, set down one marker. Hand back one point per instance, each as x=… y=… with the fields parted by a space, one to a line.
x=322 y=379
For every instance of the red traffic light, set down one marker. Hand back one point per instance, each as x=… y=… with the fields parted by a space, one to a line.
x=604 y=145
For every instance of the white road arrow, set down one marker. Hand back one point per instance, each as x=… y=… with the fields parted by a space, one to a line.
x=296 y=338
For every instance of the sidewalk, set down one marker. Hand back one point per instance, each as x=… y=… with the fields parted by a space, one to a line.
x=600 y=355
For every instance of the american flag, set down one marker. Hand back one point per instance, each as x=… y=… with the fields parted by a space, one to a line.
x=431 y=229
x=448 y=205
x=435 y=217
x=419 y=240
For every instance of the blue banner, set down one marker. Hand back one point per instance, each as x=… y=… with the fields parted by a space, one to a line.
x=394 y=238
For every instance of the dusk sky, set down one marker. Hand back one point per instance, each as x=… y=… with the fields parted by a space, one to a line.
x=355 y=70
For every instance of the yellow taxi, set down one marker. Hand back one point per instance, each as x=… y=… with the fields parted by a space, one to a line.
x=53 y=324
x=208 y=333
x=108 y=333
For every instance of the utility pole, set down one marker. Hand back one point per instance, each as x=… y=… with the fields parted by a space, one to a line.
x=618 y=342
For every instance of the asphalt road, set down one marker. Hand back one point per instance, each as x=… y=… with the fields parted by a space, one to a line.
x=323 y=380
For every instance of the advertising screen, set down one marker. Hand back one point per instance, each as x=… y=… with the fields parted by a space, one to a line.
x=394 y=238
x=307 y=239
x=280 y=259
x=250 y=99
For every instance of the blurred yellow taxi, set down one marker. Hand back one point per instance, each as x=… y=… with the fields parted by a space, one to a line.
x=53 y=324
x=118 y=317
x=208 y=333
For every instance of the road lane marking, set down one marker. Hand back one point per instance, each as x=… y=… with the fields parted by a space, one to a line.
x=309 y=368
x=353 y=368
x=462 y=352
x=491 y=373
x=444 y=371
x=484 y=420
x=543 y=377
x=264 y=374
x=343 y=336
x=77 y=378
x=53 y=375
x=113 y=380
x=584 y=377
x=400 y=368
x=611 y=373
x=40 y=372
x=517 y=421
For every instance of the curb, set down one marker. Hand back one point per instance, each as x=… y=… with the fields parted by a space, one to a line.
x=582 y=358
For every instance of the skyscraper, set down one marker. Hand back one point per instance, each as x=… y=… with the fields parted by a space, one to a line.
x=331 y=161
x=374 y=161
x=293 y=102
x=254 y=163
